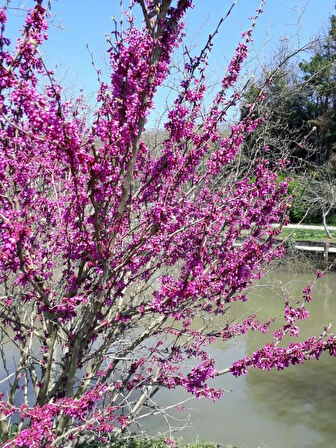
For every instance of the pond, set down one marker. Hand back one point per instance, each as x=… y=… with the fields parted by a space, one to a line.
x=293 y=408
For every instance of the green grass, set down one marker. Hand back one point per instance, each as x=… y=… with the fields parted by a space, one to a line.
x=154 y=443
x=306 y=234
x=137 y=442
x=302 y=234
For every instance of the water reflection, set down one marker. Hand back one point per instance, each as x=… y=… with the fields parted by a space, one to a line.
x=294 y=408
x=302 y=400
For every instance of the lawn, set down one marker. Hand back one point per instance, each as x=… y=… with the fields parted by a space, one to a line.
x=306 y=234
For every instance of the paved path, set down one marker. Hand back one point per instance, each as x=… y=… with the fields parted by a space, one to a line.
x=305 y=227
x=320 y=248
x=331 y=250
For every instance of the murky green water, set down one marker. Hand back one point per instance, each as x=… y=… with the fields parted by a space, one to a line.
x=295 y=408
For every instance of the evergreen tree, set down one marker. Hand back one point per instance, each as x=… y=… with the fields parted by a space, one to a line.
x=320 y=75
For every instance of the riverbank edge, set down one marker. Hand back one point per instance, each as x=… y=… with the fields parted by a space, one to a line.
x=161 y=442
x=298 y=262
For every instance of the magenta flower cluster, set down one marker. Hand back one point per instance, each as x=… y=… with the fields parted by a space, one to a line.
x=110 y=250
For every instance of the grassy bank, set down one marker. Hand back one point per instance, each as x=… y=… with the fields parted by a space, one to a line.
x=155 y=443
x=306 y=234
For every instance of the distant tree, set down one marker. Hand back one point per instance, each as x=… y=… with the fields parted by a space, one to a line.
x=319 y=74
x=300 y=123
x=284 y=130
x=300 y=105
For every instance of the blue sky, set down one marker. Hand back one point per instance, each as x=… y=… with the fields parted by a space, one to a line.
x=77 y=22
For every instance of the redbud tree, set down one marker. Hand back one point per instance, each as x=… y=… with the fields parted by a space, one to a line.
x=109 y=253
